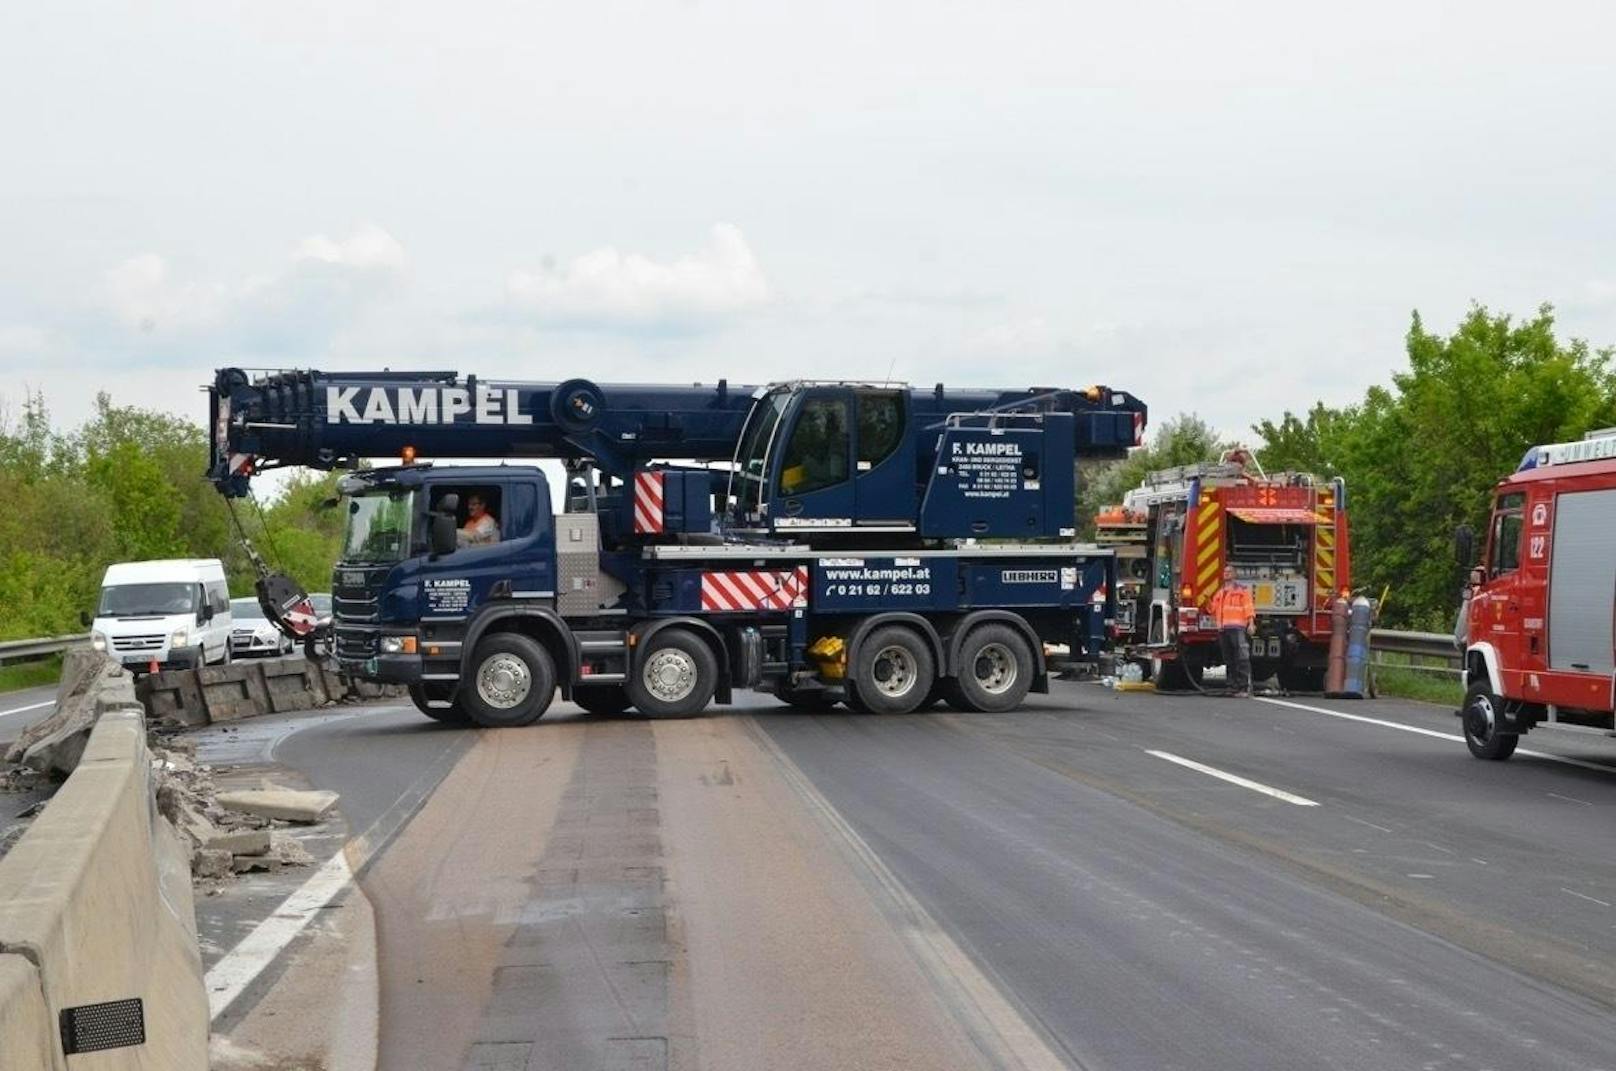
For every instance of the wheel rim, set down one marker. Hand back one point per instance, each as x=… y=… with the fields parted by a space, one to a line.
x=503 y=681
x=894 y=671
x=1480 y=721
x=670 y=675
x=995 y=669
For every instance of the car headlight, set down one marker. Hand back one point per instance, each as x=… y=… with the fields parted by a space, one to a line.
x=181 y=637
x=98 y=641
x=398 y=645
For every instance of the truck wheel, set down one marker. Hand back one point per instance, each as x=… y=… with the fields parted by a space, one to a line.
x=676 y=677
x=1173 y=676
x=422 y=695
x=1480 y=717
x=995 y=671
x=601 y=698
x=894 y=674
x=512 y=681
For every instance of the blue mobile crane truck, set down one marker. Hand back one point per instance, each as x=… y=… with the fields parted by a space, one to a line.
x=877 y=545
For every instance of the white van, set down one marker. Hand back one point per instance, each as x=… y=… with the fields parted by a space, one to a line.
x=175 y=613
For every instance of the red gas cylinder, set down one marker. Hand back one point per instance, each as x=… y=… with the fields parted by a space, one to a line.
x=1335 y=677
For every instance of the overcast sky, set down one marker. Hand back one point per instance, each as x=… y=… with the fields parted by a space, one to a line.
x=1228 y=208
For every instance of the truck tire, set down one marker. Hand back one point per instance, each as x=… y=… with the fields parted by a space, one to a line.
x=424 y=694
x=512 y=681
x=601 y=698
x=893 y=674
x=1480 y=718
x=995 y=671
x=676 y=676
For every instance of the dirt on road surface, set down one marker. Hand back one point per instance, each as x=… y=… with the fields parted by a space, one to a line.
x=633 y=894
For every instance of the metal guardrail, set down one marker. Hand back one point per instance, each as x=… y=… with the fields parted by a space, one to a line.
x=29 y=650
x=1437 y=647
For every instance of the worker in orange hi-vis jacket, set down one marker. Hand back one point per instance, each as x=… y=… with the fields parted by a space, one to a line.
x=1235 y=611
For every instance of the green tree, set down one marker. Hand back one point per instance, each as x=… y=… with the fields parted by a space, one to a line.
x=1421 y=457
x=1181 y=440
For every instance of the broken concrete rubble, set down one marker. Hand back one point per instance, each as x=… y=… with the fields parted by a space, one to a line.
x=284 y=803
x=241 y=841
x=91 y=685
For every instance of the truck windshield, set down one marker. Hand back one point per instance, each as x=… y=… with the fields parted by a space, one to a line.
x=754 y=451
x=148 y=600
x=379 y=527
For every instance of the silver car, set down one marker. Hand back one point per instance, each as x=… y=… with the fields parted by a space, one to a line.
x=252 y=634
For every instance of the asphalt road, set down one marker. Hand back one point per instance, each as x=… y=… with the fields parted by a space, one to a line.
x=22 y=706
x=1099 y=880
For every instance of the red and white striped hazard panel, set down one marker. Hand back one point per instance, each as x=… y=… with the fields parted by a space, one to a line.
x=760 y=589
x=647 y=503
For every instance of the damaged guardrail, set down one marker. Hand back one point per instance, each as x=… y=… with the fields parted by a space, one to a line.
x=191 y=697
x=98 y=947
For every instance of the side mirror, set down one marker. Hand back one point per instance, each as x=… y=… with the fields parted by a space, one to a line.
x=205 y=614
x=1464 y=545
x=85 y=619
x=443 y=535
x=1478 y=576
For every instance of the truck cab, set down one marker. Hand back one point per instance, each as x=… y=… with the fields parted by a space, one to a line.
x=409 y=557
x=1539 y=618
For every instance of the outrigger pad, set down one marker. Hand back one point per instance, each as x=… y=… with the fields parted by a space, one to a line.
x=287 y=605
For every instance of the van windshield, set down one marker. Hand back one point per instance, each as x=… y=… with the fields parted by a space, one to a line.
x=148 y=600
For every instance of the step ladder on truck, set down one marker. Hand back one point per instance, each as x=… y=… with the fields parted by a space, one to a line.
x=876 y=545
x=1538 y=622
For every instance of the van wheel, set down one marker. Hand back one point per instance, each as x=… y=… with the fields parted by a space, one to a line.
x=1480 y=716
x=512 y=681
x=423 y=695
x=676 y=676
x=601 y=698
x=894 y=672
x=995 y=671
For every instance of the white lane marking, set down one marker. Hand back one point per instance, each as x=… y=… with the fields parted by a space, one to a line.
x=237 y=970
x=1584 y=896
x=986 y=1014
x=1371 y=825
x=1234 y=779
x=1567 y=760
x=31 y=706
x=1568 y=799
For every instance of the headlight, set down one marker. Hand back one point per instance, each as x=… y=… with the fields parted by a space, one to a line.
x=181 y=637
x=398 y=645
x=98 y=641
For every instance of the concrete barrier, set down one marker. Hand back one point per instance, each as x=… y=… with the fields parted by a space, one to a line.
x=95 y=908
x=190 y=697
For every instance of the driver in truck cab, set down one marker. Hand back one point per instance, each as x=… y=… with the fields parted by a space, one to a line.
x=480 y=527
x=1235 y=612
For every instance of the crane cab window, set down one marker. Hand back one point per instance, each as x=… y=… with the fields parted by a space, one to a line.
x=880 y=426
x=816 y=456
x=1504 y=546
x=479 y=516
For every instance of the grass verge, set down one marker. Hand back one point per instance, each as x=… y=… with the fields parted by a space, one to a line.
x=31 y=674
x=1415 y=684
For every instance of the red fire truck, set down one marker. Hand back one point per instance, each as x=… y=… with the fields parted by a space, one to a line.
x=1539 y=626
x=1286 y=536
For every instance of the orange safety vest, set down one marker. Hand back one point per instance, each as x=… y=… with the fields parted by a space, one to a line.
x=1233 y=607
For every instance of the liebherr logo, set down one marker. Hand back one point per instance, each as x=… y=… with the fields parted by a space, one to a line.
x=428 y=405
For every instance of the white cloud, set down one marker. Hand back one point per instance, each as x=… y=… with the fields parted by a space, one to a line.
x=321 y=285
x=607 y=288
